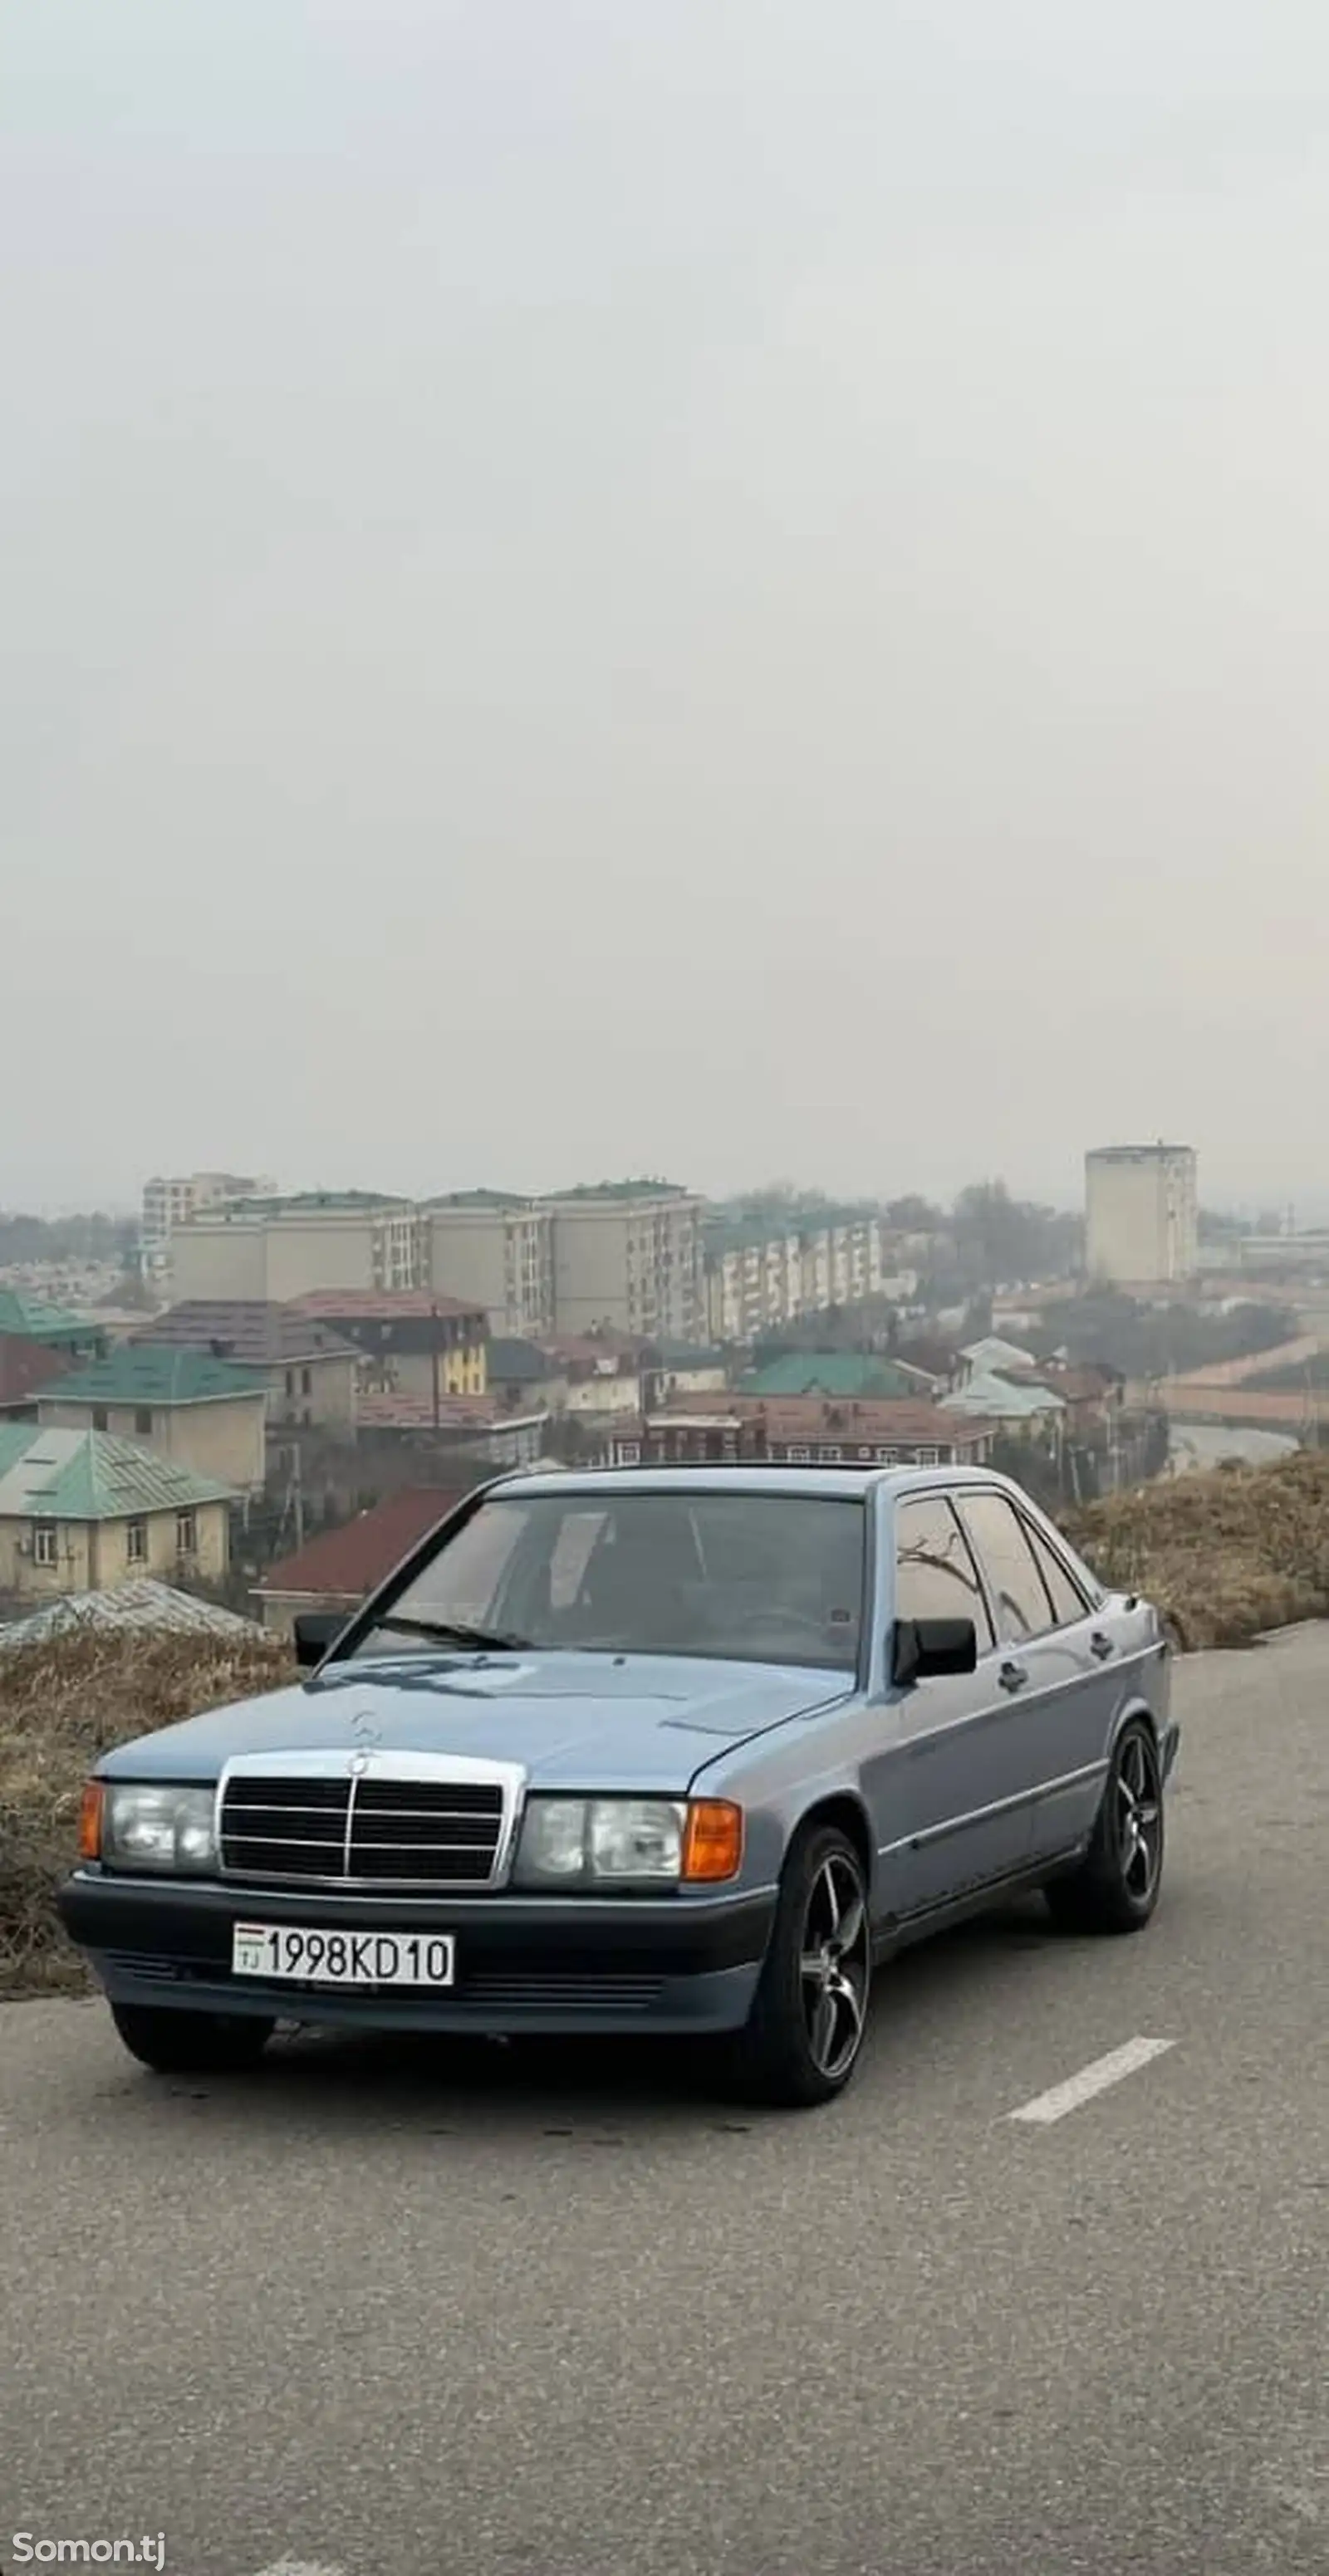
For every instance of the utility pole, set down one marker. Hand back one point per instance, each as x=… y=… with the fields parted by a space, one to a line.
x=433 y=1354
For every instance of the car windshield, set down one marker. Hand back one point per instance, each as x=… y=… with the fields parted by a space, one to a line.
x=762 y=1578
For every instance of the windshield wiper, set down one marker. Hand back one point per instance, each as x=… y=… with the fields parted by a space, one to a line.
x=455 y=1630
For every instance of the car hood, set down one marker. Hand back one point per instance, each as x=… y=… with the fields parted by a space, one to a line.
x=574 y=1721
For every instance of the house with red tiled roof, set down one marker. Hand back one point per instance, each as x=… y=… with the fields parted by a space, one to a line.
x=339 y=1567
x=800 y=1431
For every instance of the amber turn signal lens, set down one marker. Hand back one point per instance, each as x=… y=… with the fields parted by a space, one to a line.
x=712 y=1839
x=90 y=1822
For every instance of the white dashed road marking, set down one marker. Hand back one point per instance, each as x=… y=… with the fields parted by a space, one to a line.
x=300 y=2567
x=1092 y=2079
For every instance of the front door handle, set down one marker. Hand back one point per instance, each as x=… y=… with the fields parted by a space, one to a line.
x=1101 y=1645
x=1012 y=1677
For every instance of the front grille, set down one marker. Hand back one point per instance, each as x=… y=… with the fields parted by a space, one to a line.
x=378 y=1831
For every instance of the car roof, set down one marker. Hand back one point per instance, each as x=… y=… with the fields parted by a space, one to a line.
x=843 y=1484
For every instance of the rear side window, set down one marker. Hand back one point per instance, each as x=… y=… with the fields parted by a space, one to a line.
x=1019 y=1594
x=1068 y=1603
x=935 y=1574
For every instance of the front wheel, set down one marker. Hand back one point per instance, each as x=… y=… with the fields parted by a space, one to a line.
x=1115 y=1888
x=802 y=2042
x=191 y=2043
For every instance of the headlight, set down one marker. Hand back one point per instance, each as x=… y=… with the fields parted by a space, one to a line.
x=166 y=1829
x=574 y=1841
x=627 y=1842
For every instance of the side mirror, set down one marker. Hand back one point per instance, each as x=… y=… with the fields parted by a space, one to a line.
x=315 y=1631
x=923 y=1649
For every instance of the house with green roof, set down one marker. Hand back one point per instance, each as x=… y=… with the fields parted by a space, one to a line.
x=852 y=1375
x=81 y=1512
x=36 y=1319
x=205 y=1414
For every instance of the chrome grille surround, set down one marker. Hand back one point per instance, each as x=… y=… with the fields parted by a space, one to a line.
x=319 y=1832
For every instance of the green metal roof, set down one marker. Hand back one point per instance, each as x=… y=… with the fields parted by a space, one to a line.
x=149 y=1373
x=301 y=1203
x=641 y=1189
x=40 y=1321
x=853 y=1374
x=49 y=1474
x=496 y=1199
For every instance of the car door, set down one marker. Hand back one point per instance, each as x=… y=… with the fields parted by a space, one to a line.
x=959 y=1795
x=1050 y=1671
x=1075 y=1727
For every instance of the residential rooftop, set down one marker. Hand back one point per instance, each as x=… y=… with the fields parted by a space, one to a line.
x=143 y=1373
x=619 y=1190
x=255 y=1332
x=49 y=1474
x=344 y=1564
x=481 y=1199
x=837 y=1374
x=143 y=1603
x=800 y=1417
x=40 y=1320
x=301 y=1203
x=379 y=1305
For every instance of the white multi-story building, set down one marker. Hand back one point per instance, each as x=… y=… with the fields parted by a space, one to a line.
x=495 y=1248
x=280 y=1248
x=761 y=1281
x=628 y=1254
x=1141 y=1214
x=173 y=1201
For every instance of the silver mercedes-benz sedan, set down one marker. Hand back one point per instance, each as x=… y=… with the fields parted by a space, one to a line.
x=685 y=1750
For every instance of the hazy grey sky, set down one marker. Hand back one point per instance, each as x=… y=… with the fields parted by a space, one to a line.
x=705 y=585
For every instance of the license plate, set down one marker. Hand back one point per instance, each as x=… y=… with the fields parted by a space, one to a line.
x=317 y=1958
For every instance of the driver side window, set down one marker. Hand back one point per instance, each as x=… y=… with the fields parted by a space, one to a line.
x=935 y=1573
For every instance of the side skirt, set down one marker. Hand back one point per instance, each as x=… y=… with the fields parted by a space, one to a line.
x=902 y=1931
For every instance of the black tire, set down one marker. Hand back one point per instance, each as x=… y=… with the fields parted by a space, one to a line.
x=805 y=2032
x=1116 y=1886
x=192 y=2043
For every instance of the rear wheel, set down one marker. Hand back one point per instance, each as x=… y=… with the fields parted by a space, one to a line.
x=802 y=2042
x=1116 y=1887
x=191 y=2043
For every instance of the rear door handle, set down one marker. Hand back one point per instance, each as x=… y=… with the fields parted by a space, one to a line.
x=1012 y=1677
x=1101 y=1645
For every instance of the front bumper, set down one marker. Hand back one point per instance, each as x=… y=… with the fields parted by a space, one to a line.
x=552 y=1965
x=1168 y=1747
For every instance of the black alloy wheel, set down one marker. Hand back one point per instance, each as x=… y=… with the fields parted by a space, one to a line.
x=803 y=2040
x=1116 y=1886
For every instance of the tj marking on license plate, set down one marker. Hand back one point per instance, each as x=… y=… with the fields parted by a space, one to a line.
x=342 y=1958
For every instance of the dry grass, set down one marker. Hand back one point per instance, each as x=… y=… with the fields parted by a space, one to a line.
x=1226 y=1555
x=61 y=1705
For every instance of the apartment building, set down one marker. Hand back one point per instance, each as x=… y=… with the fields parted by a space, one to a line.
x=628 y=1254
x=758 y=1280
x=169 y=1202
x=276 y=1249
x=493 y=1249
x=1141 y=1214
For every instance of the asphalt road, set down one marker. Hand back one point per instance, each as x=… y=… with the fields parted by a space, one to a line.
x=389 y=2314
